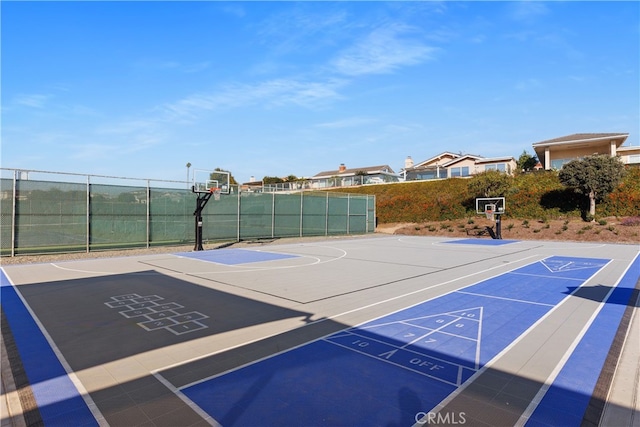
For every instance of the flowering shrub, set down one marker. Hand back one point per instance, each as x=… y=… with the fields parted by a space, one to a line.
x=631 y=221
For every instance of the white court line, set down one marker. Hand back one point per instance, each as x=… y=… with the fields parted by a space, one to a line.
x=440 y=406
x=190 y=403
x=76 y=270
x=91 y=405
x=241 y=268
x=540 y=276
x=365 y=337
x=446 y=313
x=402 y=366
x=504 y=298
x=194 y=359
x=556 y=371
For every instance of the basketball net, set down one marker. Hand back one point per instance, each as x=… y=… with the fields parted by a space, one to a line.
x=216 y=193
x=489 y=214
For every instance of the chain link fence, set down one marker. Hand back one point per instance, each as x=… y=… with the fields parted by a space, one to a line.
x=83 y=213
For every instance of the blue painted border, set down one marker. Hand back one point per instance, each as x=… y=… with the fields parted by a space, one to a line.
x=563 y=404
x=58 y=399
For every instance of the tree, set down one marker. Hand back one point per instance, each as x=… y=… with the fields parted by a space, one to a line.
x=232 y=180
x=272 y=180
x=595 y=176
x=491 y=183
x=526 y=162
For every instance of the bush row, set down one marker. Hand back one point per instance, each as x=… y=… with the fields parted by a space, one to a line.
x=537 y=195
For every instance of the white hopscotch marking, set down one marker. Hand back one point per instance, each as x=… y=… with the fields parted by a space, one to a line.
x=155 y=314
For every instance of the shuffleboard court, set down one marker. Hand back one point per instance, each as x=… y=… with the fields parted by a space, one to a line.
x=434 y=346
x=372 y=330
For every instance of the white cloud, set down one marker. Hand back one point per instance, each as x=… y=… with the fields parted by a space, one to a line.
x=383 y=51
x=527 y=10
x=146 y=65
x=529 y=84
x=272 y=93
x=346 y=123
x=32 y=100
x=302 y=28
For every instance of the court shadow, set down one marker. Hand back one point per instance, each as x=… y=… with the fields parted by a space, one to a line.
x=600 y=293
x=245 y=382
x=98 y=320
x=321 y=373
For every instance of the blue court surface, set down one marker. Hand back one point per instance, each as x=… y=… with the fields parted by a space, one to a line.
x=402 y=364
x=484 y=242
x=379 y=331
x=235 y=256
x=59 y=401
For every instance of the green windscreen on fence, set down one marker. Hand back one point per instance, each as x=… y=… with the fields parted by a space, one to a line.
x=170 y=216
x=6 y=215
x=118 y=216
x=314 y=214
x=46 y=216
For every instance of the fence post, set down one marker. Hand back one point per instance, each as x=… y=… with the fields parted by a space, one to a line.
x=148 y=213
x=88 y=216
x=375 y=213
x=326 y=214
x=13 y=214
x=348 y=211
x=273 y=214
x=301 y=210
x=238 y=218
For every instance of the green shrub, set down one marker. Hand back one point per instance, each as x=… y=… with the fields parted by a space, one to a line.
x=531 y=195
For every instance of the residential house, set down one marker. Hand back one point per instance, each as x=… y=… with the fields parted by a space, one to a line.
x=343 y=177
x=554 y=153
x=451 y=165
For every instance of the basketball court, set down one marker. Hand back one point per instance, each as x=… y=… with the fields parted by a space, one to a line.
x=369 y=330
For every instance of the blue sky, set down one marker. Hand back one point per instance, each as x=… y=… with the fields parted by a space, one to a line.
x=138 y=89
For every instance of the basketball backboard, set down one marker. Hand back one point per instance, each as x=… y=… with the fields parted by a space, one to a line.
x=205 y=181
x=493 y=205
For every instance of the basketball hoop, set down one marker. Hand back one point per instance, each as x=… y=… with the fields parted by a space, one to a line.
x=216 y=192
x=489 y=212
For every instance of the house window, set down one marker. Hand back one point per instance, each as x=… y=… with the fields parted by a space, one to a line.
x=460 y=171
x=635 y=158
x=558 y=163
x=502 y=167
x=427 y=175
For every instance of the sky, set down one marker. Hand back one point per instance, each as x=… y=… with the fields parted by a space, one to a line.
x=139 y=88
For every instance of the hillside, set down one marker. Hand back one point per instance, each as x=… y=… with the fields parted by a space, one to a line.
x=531 y=196
x=538 y=206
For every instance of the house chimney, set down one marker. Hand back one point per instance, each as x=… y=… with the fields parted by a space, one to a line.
x=342 y=168
x=408 y=162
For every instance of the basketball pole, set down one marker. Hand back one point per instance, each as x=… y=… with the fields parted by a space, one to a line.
x=201 y=202
x=498 y=225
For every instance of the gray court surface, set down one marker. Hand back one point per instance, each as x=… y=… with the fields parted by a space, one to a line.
x=204 y=338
